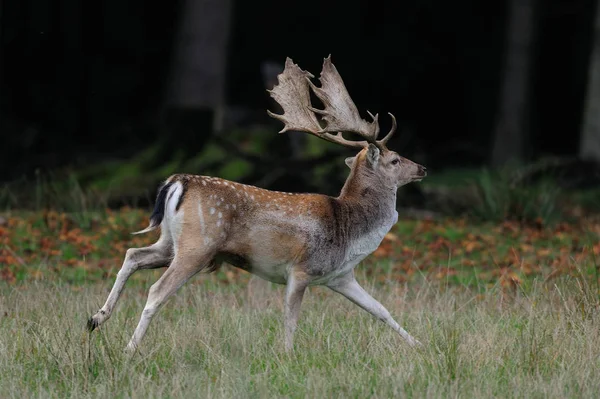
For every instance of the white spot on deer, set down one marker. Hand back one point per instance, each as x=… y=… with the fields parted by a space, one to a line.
x=220 y=215
x=204 y=182
x=252 y=197
x=219 y=222
x=234 y=206
x=212 y=211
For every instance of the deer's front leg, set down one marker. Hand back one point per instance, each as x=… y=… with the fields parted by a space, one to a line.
x=294 y=292
x=349 y=287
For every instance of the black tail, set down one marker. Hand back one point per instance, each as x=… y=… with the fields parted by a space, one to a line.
x=159 y=209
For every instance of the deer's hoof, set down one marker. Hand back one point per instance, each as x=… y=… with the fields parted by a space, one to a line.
x=92 y=323
x=130 y=350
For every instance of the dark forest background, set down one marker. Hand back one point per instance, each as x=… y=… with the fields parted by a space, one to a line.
x=137 y=88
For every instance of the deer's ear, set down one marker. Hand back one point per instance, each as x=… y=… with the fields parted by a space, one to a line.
x=350 y=161
x=372 y=155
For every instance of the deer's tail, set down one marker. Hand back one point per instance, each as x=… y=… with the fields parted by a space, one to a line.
x=159 y=208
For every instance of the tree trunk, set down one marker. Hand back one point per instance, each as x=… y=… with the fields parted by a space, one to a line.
x=511 y=132
x=589 y=145
x=196 y=89
x=198 y=72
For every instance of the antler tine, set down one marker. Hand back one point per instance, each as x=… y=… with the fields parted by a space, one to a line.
x=293 y=94
x=376 y=122
x=340 y=113
x=383 y=142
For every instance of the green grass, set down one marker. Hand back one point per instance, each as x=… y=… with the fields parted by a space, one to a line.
x=226 y=341
x=504 y=310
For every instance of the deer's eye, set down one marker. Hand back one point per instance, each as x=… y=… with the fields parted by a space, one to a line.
x=395 y=161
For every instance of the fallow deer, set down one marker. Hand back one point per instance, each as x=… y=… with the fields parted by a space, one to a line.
x=299 y=240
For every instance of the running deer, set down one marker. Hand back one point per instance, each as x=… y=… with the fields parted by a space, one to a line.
x=299 y=240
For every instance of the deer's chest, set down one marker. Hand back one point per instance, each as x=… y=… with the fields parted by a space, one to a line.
x=360 y=248
x=357 y=249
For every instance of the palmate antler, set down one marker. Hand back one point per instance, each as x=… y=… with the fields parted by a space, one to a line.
x=340 y=114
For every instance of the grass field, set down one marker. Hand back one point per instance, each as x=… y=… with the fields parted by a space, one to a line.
x=503 y=310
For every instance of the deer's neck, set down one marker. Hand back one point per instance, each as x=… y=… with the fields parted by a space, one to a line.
x=367 y=204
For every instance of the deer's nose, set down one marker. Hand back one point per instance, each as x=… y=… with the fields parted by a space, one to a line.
x=422 y=170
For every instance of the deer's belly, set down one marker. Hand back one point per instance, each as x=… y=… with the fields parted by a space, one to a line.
x=273 y=261
x=275 y=273
x=268 y=269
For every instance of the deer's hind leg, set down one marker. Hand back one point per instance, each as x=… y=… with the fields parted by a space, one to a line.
x=152 y=257
x=182 y=268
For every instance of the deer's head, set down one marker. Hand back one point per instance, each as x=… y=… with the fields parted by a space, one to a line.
x=390 y=168
x=340 y=116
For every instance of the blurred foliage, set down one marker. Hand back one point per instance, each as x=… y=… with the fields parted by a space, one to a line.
x=500 y=198
x=257 y=156
x=510 y=194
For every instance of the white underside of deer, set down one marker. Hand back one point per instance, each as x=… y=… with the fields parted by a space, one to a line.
x=294 y=239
